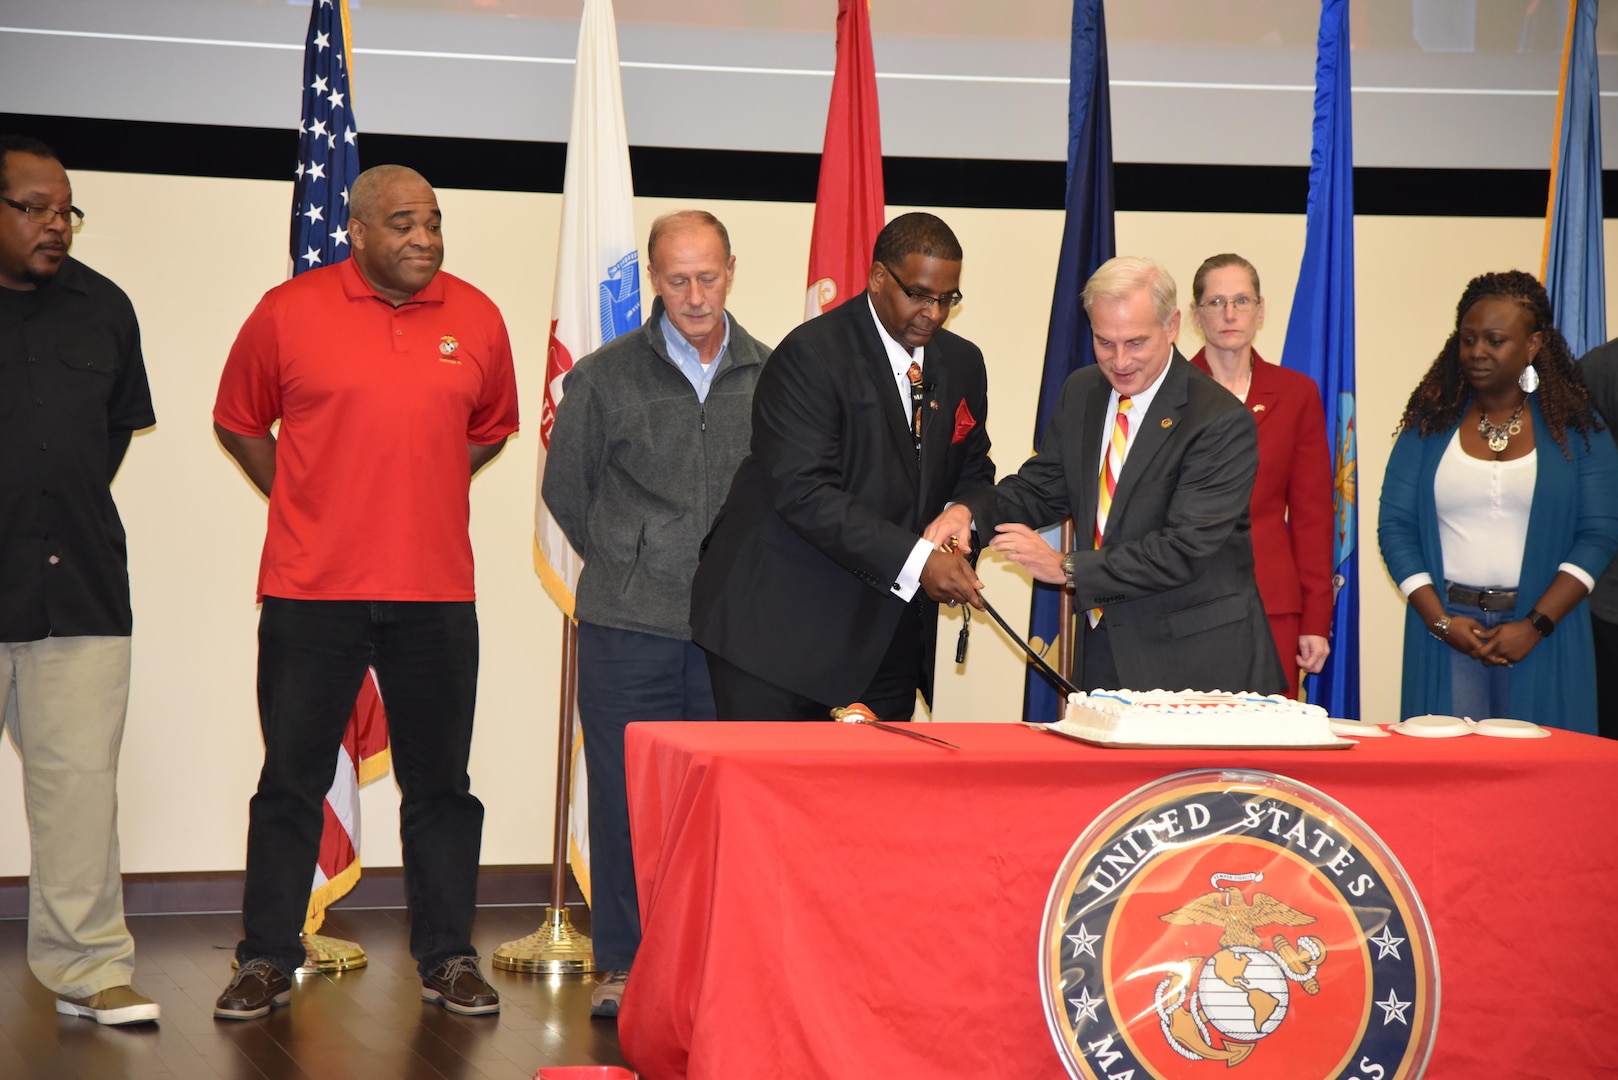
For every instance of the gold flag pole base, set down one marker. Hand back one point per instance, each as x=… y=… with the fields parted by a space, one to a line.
x=556 y=948
x=324 y=955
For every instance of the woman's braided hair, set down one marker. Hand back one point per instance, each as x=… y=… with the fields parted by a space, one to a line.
x=1440 y=399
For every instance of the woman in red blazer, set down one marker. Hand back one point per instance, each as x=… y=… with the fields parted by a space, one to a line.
x=1292 y=498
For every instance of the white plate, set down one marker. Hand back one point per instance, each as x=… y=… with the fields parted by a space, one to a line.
x=1432 y=726
x=1502 y=728
x=1358 y=729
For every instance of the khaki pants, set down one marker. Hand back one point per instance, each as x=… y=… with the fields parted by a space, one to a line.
x=65 y=699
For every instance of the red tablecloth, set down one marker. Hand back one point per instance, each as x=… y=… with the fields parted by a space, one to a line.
x=830 y=900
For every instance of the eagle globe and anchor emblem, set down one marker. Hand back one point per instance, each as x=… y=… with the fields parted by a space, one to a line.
x=1218 y=920
x=1243 y=991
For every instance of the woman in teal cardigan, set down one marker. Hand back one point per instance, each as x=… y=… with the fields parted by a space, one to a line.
x=1495 y=529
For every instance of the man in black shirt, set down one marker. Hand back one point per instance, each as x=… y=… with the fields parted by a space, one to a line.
x=72 y=390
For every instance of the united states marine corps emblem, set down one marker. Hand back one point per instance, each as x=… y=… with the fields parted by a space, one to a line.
x=1216 y=920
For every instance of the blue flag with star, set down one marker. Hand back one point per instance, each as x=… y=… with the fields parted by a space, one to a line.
x=328 y=143
x=1320 y=343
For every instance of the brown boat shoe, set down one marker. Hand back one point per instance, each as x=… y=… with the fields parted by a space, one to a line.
x=254 y=990
x=460 y=987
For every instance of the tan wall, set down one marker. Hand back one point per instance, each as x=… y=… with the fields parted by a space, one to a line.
x=195 y=254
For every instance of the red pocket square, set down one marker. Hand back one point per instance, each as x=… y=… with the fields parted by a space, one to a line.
x=964 y=423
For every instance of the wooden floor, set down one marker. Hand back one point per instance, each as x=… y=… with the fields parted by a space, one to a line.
x=369 y=1023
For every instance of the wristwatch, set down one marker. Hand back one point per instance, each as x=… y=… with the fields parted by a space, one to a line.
x=1541 y=622
x=1069 y=562
x=1440 y=629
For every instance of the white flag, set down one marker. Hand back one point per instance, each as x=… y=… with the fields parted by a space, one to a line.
x=597 y=298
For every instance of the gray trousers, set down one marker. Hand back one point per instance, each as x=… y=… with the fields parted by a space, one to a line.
x=65 y=700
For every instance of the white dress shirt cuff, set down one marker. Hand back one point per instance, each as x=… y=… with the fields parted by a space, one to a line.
x=910 y=575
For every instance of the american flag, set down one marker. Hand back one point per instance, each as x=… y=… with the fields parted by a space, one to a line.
x=328 y=143
x=328 y=162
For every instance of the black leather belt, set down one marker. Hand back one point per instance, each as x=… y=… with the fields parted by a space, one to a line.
x=1485 y=599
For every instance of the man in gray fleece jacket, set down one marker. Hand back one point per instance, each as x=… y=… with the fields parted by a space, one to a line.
x=648 y=435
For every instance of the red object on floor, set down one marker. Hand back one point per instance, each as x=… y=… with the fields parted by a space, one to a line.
x=824 y=900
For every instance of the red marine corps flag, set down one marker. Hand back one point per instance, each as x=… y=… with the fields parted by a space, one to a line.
x=849 y=200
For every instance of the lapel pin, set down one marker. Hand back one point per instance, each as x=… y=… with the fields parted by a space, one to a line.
x=1258 y=408
x=933 y=404
x=1167 y=423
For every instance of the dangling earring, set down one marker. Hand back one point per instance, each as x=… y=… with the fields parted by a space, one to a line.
x=1528 y=380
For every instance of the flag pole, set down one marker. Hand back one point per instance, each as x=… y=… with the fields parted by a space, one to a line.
x=595 y=298
x=1064 y=625
x=324 y=954
x=1088 y=240
x=557 y=947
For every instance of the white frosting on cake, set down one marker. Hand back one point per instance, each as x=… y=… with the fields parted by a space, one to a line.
x=1194 y=718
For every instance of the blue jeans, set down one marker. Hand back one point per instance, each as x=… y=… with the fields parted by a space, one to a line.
x=625 y=676
x=1479 y=690
x=312 y=657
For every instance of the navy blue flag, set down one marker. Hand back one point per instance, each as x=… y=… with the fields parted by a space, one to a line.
x=1572 y=266
x=1087 y=242
x=328 y=143
x=1320 y=342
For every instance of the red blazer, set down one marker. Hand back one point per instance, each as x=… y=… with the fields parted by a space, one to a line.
x=1292 y=510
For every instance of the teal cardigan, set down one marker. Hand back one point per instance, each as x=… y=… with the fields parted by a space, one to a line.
x=1573 y=518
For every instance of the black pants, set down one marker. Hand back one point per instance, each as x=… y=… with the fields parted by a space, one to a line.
x=312 y=656
x=624 y=677
x=1606 y=643
x=891 y=695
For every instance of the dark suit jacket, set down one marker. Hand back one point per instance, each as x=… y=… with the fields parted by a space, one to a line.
x=1599 y=369
x=1292 y=509
x=1175 y=572
x=796 y=580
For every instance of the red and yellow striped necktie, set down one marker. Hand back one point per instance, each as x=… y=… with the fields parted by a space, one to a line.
x=1112 y=463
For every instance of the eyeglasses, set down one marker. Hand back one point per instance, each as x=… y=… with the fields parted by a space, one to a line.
x=44 y=215
x=1217 y=304
x=916 y=296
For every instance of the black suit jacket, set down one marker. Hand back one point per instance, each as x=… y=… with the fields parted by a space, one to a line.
x=796 y=580
x=1174 y=574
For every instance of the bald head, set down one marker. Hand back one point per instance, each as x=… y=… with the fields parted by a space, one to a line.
x=396 y=230
x=365 y=197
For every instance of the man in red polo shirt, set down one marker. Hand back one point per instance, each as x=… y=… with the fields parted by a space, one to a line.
x=393 y=385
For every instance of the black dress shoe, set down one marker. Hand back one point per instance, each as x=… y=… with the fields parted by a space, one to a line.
x=459 y=986
x=255 y=989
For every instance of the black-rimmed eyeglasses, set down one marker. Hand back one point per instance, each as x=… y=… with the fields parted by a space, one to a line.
x=916 y=296
x=44 y=215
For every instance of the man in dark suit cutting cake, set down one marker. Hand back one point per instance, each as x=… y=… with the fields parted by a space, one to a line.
x=816 y=586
